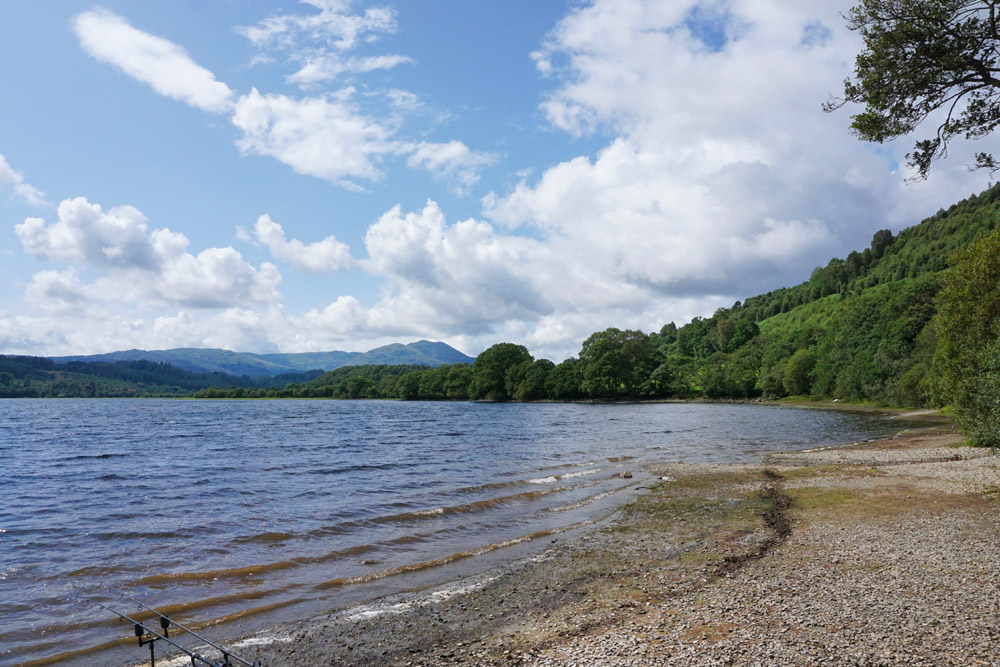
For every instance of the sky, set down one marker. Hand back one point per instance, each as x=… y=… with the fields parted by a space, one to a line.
x=336 y=175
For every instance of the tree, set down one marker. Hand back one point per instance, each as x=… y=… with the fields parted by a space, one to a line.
x=526 y=381
x=614 y=360
x=968 y=351
x=921 y=57
x=797 y=378
x=563 y=382
x=457 y=385
x=880 y=241
x=489 y=372
x=408 y=386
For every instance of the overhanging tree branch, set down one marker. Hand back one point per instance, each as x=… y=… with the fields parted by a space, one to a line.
x=921 y=57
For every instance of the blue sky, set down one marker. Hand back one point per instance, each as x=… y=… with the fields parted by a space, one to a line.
x=337 y=175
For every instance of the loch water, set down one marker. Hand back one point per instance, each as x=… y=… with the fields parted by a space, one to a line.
x=239 y=514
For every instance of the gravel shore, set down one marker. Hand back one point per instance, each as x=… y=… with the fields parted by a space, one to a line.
x=881 y=553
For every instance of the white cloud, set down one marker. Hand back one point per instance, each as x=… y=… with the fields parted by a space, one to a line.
x=324 y=67
x=230 y=329
x=723 y=178
x=327 y=136
x=452 y=277
x=319 y=42
x=137 y=266
x=150 y=59
x=319 y=257
x=60 y=292
x=86 y=233
x=453 y=161
x=22 y=190
x=217 y=278
x=719 y=178
x=324 y=137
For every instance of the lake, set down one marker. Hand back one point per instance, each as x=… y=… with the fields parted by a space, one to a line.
x=254 y=512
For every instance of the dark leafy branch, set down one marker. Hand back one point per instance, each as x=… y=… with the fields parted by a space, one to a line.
x=925 y=59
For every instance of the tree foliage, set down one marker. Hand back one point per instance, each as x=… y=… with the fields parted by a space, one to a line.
x=489 y=372
x=616 y=362
x=922 y=58
x=797 y=377
x=968 y=351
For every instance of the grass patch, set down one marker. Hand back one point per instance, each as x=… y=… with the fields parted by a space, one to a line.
x=670 y=507
x=697 y=557
x=992 y=493
x=708 y=481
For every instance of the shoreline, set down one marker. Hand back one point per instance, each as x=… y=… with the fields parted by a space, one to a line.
x=887 y=558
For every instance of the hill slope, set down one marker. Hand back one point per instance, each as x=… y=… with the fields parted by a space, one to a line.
x=207 y=360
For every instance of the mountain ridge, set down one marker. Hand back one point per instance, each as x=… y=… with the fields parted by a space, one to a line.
x=216 y=360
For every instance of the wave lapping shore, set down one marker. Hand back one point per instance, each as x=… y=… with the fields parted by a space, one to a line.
x=880 y=553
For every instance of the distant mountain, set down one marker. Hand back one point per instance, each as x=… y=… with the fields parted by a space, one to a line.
x=195 y=360
x=307 y=361
x=208 y=360
x=421 y=353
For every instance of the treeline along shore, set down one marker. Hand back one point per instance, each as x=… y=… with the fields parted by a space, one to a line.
x=911 y=320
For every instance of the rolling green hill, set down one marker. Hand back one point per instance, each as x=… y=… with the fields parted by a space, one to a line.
x=207 y=360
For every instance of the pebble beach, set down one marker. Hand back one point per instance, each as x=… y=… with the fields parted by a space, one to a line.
x=877 y=553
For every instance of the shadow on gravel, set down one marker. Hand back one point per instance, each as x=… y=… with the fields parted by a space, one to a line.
x=776 y=519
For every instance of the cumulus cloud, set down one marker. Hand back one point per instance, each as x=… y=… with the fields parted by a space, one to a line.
x=324 y=137
x=217 y=278
x=229 y=329
x=719 y=178
x=319 y=257
x=150 y=59
x=461 y=276
x=60 y=292
x=723 y=177
x=329 y=138
x=85 y=232
x=137 y=265
x=21 y=189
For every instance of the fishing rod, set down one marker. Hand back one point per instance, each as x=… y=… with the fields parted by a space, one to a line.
x=226 y=654
x=141 y=629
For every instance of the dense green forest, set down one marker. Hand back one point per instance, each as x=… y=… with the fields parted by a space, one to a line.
x=39 y=377
x=888 y=324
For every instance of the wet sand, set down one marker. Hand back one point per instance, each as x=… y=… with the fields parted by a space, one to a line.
x=877 y=553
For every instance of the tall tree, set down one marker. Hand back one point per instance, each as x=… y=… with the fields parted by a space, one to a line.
x=489 y=372
x=616 y=361
x=921 y=57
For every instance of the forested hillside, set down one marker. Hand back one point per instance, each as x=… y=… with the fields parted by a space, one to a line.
x=862 y=328
x=39 y=377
